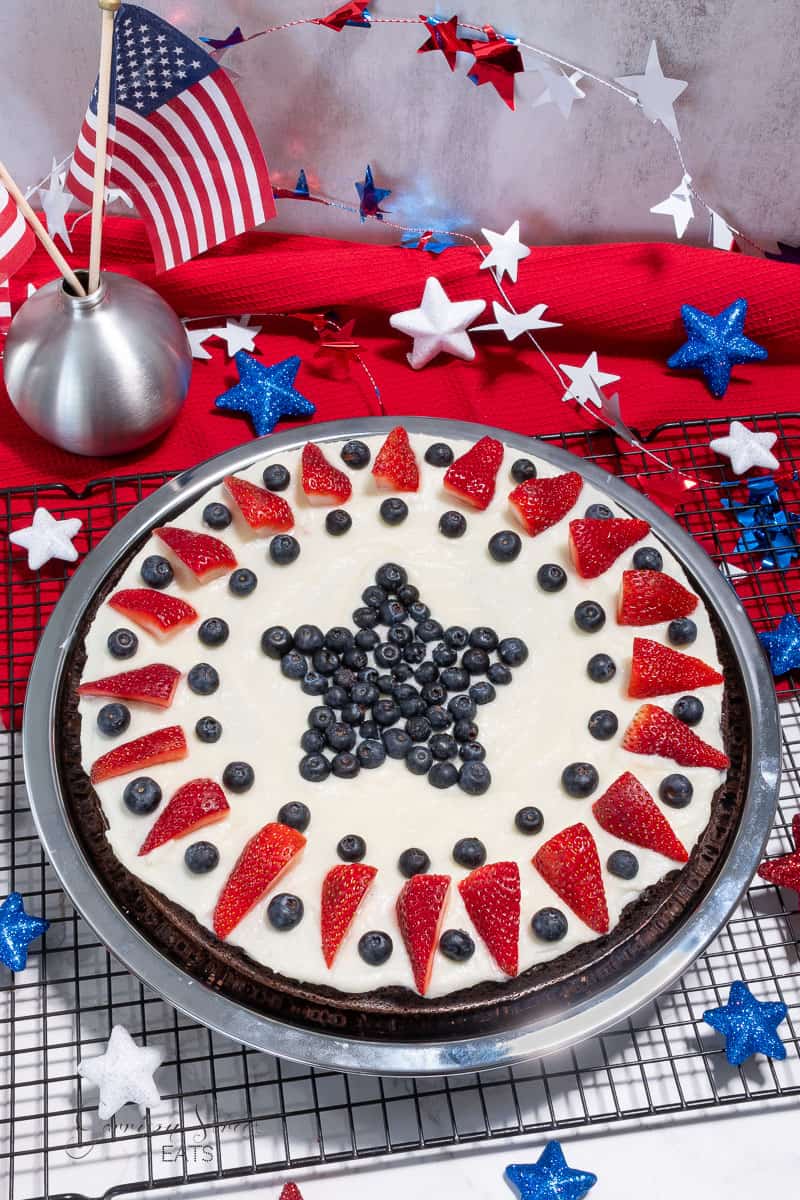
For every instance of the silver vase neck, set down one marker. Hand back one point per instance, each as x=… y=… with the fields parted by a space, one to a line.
x=73 y=303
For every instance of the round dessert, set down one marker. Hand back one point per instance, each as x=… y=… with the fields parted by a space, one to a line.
x=402 y=746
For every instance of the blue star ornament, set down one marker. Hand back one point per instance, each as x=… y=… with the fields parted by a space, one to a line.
x=17 y=930
x=748 y=1025
x=266 y=393
x=783 y=645
x=549 y=1178
x=370 y=196
x=716 y=344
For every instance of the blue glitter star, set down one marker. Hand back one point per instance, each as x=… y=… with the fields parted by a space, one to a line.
x=370 y=196
x=549 y=1178
x=715 y=344
x=783 y=645
x=266 y=393
x=17 y=930
x=748 y=1025
x=434 y=243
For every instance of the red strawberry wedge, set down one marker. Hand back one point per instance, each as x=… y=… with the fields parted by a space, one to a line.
x=658 y=670
x=261 y=509
x=155 y=684
x=628 y=811
x=420 y=911
x=260 y=865
x=395 y=467
x=157 y=612
x=491 y=896
x=472 y=476
x=595 y=543
x=647 y=597
x=204 y=555
x=343 y=889
x=570 y=864
x=163 y=745
x=199 y=802
x=322 y=482
x=653 y=730
x=540 y=503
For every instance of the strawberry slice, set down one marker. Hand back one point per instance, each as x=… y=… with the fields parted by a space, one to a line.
x=569 y=862
x=261 y=509
x=163 y=745
x=322 y=482
x=204 y=555
x=420 y=911
x=199 y=802
x=155 y=684
x=472 y=476
x=595 y=544
x=395 y=467
x=540 y=503
x=260 y=865
x=647 y=597
x=658 y=670
x=653 y=730
x=157 y=612
x=491 y=896
x=628 y=811
x=343 y=889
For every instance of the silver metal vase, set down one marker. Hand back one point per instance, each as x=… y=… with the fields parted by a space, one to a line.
x=101 y=374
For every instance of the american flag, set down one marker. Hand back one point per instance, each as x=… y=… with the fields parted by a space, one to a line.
x=16 y=239
x=5 y=308
x=179 y=142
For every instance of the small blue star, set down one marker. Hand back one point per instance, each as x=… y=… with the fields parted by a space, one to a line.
x=549 y=1178
x=301 y=187
x=369 y=197
x=783 y=645
x=266 y=393
x=17 y=930
x=748 y=1025
x=715 y=344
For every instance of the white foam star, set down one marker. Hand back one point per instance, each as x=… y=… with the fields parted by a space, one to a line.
x=677 y=205
x=124 y=1074
x=586 y=381
x=55 y=206
x=47 y=538
x=197 y=339
x=745 y=448
x=439 y=325
x=506 y=251
x=560 y=89
x=656 y=92
x=237 y=335
x=513 y=324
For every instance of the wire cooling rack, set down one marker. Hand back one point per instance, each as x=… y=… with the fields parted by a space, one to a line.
x=228 y=1111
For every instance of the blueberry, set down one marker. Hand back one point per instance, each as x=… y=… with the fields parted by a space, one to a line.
x=418 y=728
x=444 y=656
x=242 y=582
x=371 y=753
x=277 y=641
x=387 y=655
x=401 y=635
x=386 y=712
x=438 y=454
x=647 y=558
x=337 y=522
x=393 y=510
x=208 y=729
x=603 y=724
x=351 y=848
x=374 y=596
x=202 y=679
x=682 y=632
x=113 y=719
x=370 y=730
x=157 y=572
x=375 y=947
x=324 y=661
x=456 y=945
x=505 y=546
x=452 y=524
x=512 y=651
x=366 y=639
x=294 y=665
x=284 y=911
x=213 y=631
x=426 y=672
x=142 y=795
x=419 y=760
x=413 y=862
x=312 y=741
x=396 y=741
x=499 y=674
x=391 y=577
x=599 y=512
x=314 y=684
x=385 y=684
x=443 y=745
x=622 y=863
x=217 y=516
x=308 y=638
x=549 y=924
x=352 y=714
x=483 y=692
x=475 y=661
x=482 y=637
x=469 y=852
x=122 y=643
x=523 y=469
x=315 y=768
x=439 y=717
x=579 y=779
x=355 y=454
x=429 y=630
x=355 y=659
x=465 y=731
x=201 y=857
x=462 y=708
x=340 y=736
x=589 y=616
x=414 y=653
x=676 y=791
x=433 y=693
x=321 y=717
x=276 y=477
x=296 y=815
x=366 y=618
x=445 y=774
x=689 y=709
x=529 y=819
x=338 y=639
x=474 y=778
x=363 y=693
x=455 y=679
x=408 y=594
x=238 y=777
x=600 y=668
x=284 y=549
x=392 y=612
x=456 y=636
x=551 y=577
x=471 y=752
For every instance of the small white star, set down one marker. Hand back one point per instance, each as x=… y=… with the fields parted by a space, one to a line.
x=560 y=89
x=722 y=236
x=506 y=251
x=197 y=339
x=47 y=538
x=237 y=335
x=678 y=205
x=55 y=206
x=586 y=381
x=196 y=65
x=745 y=448
x=656 y=92
x=513 y=324
x=439 y=325
x=123 y=1074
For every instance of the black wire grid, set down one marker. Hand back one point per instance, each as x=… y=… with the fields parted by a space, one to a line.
x=228 y=1111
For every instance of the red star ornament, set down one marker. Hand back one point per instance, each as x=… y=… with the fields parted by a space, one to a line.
x=444 y=37
x=336 y=349
x=497 y=61
x=669 y=489
x=785 y=871
x=347 y=14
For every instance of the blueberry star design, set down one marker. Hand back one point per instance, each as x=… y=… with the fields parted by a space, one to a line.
x=715 y=344
x=783 y=645
x=17 y=930
x=749 y=1026
x=266 y=393
x=370 y=197
x=549 y=1178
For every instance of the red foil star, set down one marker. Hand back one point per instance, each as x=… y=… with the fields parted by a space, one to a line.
x=497 y=61
x=444 y=37
x=353 y=13
x=669 y=490
x=785 y=871
x=336 y=347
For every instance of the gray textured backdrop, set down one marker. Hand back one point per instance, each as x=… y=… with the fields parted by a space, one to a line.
x=453 y=152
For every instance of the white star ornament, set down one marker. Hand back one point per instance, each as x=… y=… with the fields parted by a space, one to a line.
x=124 y=1074
x=238 y=335
x=506 y=252
x=560 y=89
x=586 y=381
x=513 y=323
x=47 y=538
x=439 y=325
x=677 y=205
x=656 y=92
x=745 y=448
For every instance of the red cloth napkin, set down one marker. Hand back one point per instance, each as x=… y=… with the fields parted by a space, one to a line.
x=620 y=300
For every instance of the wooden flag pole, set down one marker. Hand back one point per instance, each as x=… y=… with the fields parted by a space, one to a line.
x=108 y=10
x=40 y=231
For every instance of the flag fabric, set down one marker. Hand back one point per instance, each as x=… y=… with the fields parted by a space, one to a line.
x=179 y=142
x=16 y=238
x=5 y=308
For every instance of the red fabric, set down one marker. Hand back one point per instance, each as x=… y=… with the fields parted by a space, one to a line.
x=621 y=300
